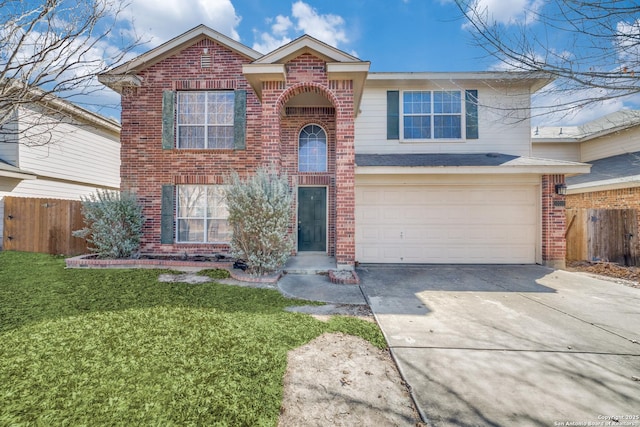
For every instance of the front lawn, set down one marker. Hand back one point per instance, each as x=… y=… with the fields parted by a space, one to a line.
x=117 y=347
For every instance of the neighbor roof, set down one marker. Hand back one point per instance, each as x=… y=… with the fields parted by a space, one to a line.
x=623 y=169
x=601 y=126
x=10 y=171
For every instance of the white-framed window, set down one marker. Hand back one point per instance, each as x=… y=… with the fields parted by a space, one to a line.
x=201 y=214
x=432 y=114
x=204 y=119
x=312 y=149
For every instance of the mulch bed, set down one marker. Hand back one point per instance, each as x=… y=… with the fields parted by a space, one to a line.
x=608 y=269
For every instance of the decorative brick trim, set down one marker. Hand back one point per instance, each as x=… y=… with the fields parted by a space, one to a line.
x=310 y=111
x=90 y=261
x=315 y=180
x=304 y=87
x=230 y=84
x=198 y=180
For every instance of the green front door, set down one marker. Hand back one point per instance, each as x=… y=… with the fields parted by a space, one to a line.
x=312 y=219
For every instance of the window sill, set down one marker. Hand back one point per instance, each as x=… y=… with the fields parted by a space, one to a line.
x=202 y=243
x=432 y=141
x=205 y=150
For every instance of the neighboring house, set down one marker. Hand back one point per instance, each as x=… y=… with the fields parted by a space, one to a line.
x=54 y=149
x=385 y=167
x=611 y=144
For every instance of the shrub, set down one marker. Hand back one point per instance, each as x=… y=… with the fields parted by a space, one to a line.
x=113 y=223
x=259 y=213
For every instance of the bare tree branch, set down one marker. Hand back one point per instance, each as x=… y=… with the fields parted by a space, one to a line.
x=591 y=48
x=56 y=48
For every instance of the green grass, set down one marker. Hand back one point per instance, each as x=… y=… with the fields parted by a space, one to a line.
x=117 y=347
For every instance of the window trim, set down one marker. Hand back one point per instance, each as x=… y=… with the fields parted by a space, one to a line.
x=206 y=125
x=431 y=115
x=205 y=219
x=326 y=148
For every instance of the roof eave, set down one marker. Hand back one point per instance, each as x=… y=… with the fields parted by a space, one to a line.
x=575 y=169
x=605 y=185
x=17 y=174
x=256 y=74
x=118 y=82
x=354 y=71
x=534 y=80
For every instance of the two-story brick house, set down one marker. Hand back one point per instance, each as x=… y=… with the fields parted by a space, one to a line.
x=385 y=167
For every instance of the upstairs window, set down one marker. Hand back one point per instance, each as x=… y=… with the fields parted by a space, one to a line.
x=312 y=149
x=205 y=119
x=432 y=114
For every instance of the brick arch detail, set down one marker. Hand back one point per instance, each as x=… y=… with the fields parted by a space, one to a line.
x=301 y=88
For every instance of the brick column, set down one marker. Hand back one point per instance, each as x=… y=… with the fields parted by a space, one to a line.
x=554 y=244
x=271 y=155
x=345 y=176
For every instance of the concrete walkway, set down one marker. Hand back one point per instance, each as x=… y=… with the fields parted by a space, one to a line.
x=306 y=278
x=510 y=345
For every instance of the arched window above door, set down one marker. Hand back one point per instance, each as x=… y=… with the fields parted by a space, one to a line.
x=312 y=149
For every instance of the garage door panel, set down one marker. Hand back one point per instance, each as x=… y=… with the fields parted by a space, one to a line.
x=446 y=224
x=371 y=234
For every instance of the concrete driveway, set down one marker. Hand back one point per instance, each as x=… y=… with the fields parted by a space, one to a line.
x=511 y=345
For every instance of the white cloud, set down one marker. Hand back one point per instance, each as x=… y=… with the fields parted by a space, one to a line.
x=282 y=25
x=328 y=28
x=304 y=19
x=268 y=42
x=628 y=44
x=163 y=20
x=556 y=105
x=506 y=12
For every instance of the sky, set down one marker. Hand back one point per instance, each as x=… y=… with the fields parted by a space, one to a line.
x=394 y=35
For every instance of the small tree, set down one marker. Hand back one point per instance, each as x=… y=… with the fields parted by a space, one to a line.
x=113 y=223
x=259 y=213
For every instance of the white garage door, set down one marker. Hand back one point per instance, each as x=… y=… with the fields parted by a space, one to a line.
x=465 y=224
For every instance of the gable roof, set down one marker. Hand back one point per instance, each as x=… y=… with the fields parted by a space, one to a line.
x=125 y=73
x=340 y=65
x=306 y=44
x=269 y=67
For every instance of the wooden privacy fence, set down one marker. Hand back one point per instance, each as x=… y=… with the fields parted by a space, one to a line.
x=603 y=235
x=43 y=225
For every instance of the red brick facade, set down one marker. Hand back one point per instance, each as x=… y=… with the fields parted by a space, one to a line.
x=623 y=198
x=272 y=131
x=278 y=105
x=554 y=244
x=146 y=166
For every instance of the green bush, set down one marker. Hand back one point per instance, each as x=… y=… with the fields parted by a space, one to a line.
x=259 y=213
x=113 y=223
